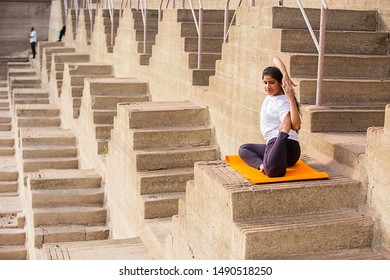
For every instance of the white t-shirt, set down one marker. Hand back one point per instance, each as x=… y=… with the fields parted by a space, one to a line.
x=33 y=36
x=273 y=112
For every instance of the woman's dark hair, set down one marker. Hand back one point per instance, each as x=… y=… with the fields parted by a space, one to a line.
x=275 y=73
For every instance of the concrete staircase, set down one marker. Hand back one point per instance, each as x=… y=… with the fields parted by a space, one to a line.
x=98 y=110
x=12 y=223
x=64 y=203
x=47 y=60
x=12 y=220
x=73 y=85
x=88 y=23
x=162 y=142
x=105 y=15
x=57 y=71
x=212 y=40
x=68 y=205
x=296 y=220
x=151 y=32
x=356 y=63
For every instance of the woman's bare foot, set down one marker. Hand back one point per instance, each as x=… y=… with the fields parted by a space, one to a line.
x=261 y=168
x=285 y=126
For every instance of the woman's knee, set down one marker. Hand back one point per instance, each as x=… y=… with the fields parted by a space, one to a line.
x=275 y=172
x=242 y=149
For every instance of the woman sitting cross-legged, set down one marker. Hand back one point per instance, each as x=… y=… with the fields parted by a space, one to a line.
x=279 y=123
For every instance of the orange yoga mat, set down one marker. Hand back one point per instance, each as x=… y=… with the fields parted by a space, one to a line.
x=299 y=172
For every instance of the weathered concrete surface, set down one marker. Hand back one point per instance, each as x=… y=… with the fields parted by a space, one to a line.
x=16 y=19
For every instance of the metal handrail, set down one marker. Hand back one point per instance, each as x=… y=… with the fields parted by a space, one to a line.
x=76 y=8
x=320 y=45
x=110 y=6
x=65 y=8
x=90 y=7
x=226 y=25
x=143 y=6
x=123 y=8
x=199 y=29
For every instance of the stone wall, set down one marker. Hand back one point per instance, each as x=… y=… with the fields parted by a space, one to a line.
x=377 y=164
x=16 y=19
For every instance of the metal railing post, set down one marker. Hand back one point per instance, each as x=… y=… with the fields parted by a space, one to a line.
x=320 y=45
x=199 y=28
x=143 y=6
x=321 y=56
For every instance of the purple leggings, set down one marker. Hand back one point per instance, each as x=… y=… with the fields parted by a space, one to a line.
x=276 y=156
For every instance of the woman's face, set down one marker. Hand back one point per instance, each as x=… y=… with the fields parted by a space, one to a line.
x=271 y=86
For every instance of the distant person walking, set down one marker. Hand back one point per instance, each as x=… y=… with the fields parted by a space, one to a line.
x=33 y=41
x=62 y=33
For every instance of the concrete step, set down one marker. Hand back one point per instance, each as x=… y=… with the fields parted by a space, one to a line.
x=67 y=198
x=346 y=148
x=12 y=236
x=116 y=86
x=209 y=16
x=21 y=72
x=7 y=151
x=25 y=82
x=37 y=110
x=321 y=232
x=31 y=101
x=174 y=158
x=150 y=35
x=208 y=60
x=49 y=152
x=32 y=165
x=103 y=131
x=110 y=102
x=8 y=187
x=18 y=65
x=5 y=127
x=172 y=137
x=161 y=205
x=104 y=116
x=9 y=174
x=144 y=58
x=345 y=20
x=89 y=69
x=38 y=122
x=209 y=45
x=152 y=24
x=372 y=67
x=6 y=140
x=150 y=14
x=47 y=136
x=359 y=91
x=30 y=93
x=78 y=80
x=106 y=12
x=166 y=114
x=17 y=252
x=341 y=118
x=87 y=216
x=188 y=29
x=200 y=77
x=5 y=117
x=61 y=58
x=112 y=249
x=64 y=179
x=337 y=42
x=164 y=181
x=351 y=254
x=69 y=233
x=149 y=46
